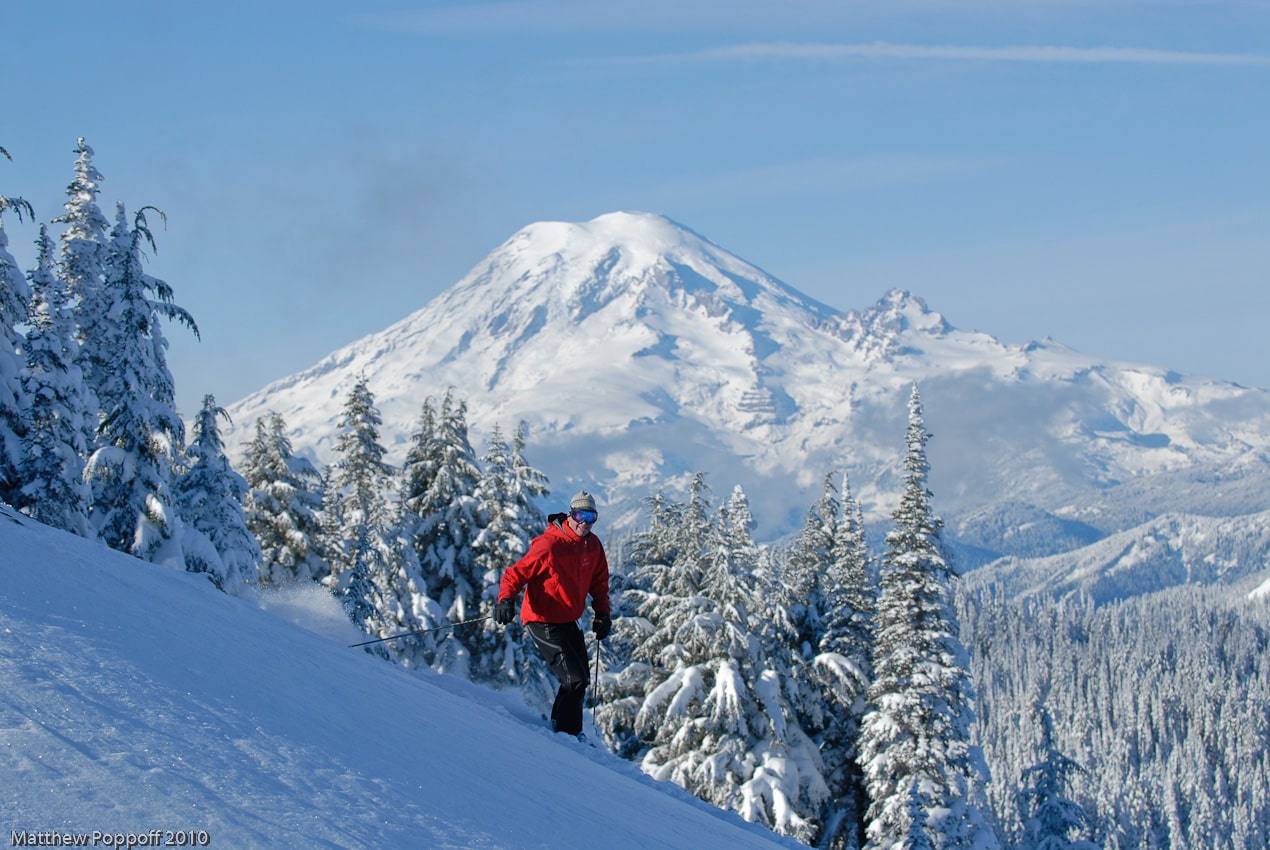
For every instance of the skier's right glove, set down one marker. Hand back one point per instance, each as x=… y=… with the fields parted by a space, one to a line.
x=504 y=612
x=602 y=624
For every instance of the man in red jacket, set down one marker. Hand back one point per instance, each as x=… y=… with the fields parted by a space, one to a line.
x=563 y=565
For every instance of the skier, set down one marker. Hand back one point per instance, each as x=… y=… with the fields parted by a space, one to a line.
x=563 y=565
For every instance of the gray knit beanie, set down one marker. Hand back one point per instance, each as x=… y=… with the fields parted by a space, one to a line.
x=583 y=501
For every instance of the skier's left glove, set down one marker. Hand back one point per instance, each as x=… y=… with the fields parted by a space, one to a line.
x=602 y=624
x=504 y=612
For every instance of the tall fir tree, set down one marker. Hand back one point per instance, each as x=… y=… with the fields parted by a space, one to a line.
x=530 y=482
x=819 y=614
x=677 y=543
x=329 y=541
x=15 y=297
x=363 y=597
x=796 y=607
x=442 y=522
x=805 y=564
x=510 y=519
x=140 y=435
x=209 y=496
x=636 y=591
x=419 y=469
x=85 y=246
x=915 y=737
x=54 y=450
x=1050 y=819
x=530 y=486
x=786 y=789
x=842 y=671
x=736 y=535
x=417 y=476
x=696 y=699
x=283 y=505
x=364 y=543
x=668 y=568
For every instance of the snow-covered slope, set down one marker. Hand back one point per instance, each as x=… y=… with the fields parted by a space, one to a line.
x=639 y=353
x=136 y=698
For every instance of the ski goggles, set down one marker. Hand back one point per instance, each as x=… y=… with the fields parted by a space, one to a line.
x=588 y=517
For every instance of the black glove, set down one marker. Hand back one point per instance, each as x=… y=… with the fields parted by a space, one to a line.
x=504 y=612
x=602 y=624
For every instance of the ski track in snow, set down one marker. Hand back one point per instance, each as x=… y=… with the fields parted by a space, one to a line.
x=135 y=698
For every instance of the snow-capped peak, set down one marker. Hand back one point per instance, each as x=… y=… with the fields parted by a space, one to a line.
x=575 y=269
x=877 y=331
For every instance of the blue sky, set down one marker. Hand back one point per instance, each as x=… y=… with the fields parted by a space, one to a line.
x=1096 y=172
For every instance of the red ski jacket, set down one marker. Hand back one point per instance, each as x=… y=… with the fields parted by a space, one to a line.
x=557 y=573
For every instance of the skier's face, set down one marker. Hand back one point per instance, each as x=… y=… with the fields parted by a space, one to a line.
x=582 y=529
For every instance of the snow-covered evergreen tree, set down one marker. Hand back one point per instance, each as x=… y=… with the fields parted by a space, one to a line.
x=696 y=698
x=330 y=538
x=796 y=607
x=209 y=497
x=786 y=788
x=441 y=520
x=805 y=563
x=417 y=476
x=531 y=483
x=653 y=550
x=915 y=737
x=500 y=542
x=841 y=669
x=1051 y=821
x=820 y=614
x=637 y=601
x=362 y=596
x=666 y=572
x=511 y=518
x=140 y=434
x=675 y=564
x=15 y=298
x=283 y=505
x=85 y=245
x=54 y=452
x=364 y=547
x=736 y=533
x=419 y=470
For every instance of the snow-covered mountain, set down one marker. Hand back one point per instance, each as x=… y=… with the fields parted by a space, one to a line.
x=639 y=353
x=136 y=698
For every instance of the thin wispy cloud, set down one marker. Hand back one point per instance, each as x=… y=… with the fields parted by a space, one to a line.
x=647 y=16
x=814 y=52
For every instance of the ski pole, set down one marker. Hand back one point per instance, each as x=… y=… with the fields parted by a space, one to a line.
x=595 y=692
x=422 y=631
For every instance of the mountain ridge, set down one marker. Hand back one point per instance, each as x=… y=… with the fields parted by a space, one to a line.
x=1166 y=551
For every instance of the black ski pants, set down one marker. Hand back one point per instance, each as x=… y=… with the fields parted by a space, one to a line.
x=564 y=647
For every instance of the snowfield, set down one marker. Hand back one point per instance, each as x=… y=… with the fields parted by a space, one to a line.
x=138 y=700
